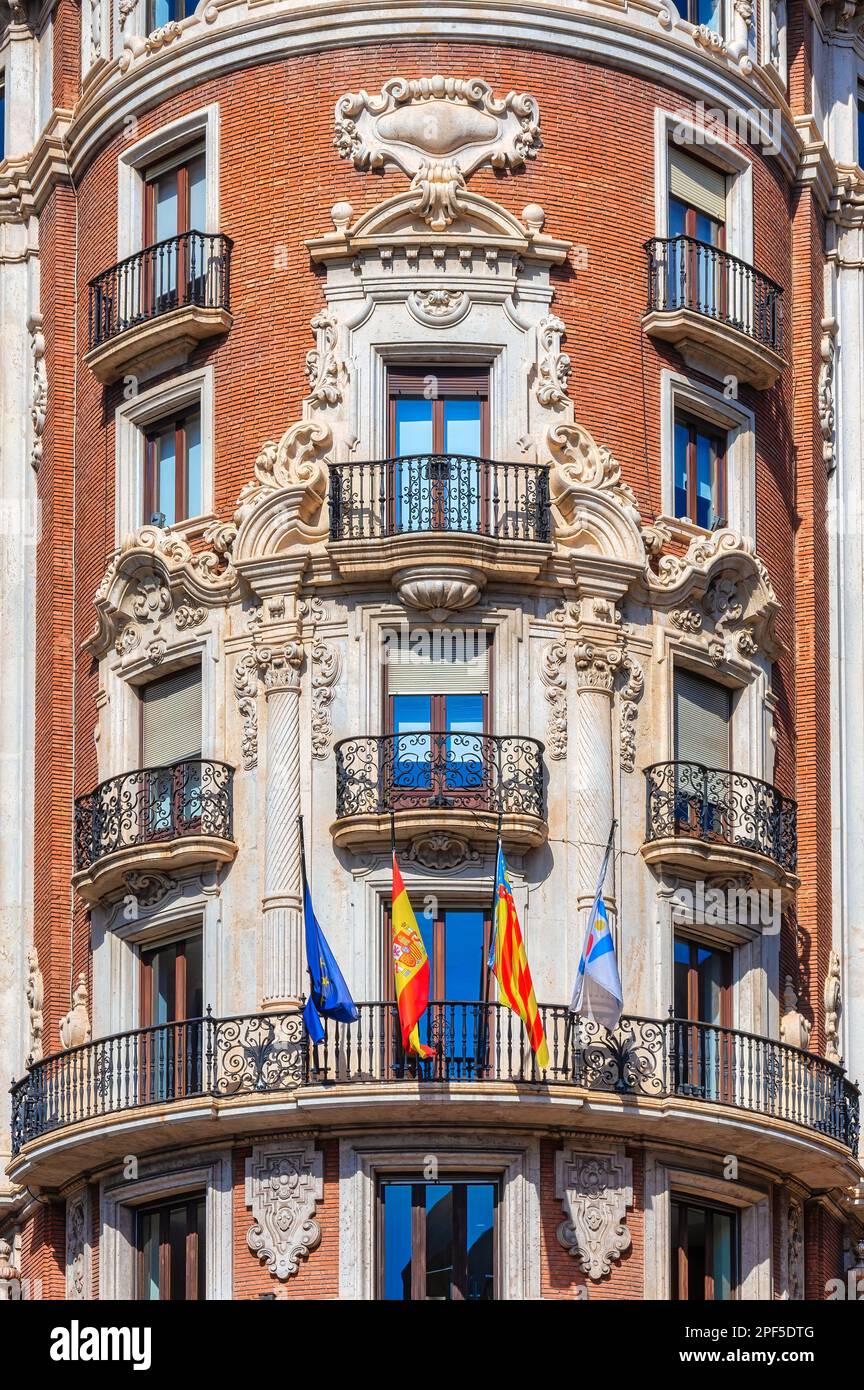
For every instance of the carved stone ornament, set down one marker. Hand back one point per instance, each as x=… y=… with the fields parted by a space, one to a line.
x=148 y=887
x=79 y=1257
x=35 y=991
x=826 y=398
x=793 y=1250
x=794 y=1027
x=438 y=131
x=75 y=1025
x=323 y=365
x=553 y=365
x=438 y=308
x=438 y=851
x=245 y=682
x=326 y=670
x=630 y=693
x=553 y=673
x=579 y=462
x=39 y=401
x=439 y=594
x=831 y=998
x=595 y=1190
x=283 y=1183
x=596 y=667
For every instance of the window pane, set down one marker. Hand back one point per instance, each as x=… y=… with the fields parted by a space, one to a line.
x=722 y=1255
x=682 y=438
x=413 y=426
x=193 y=464
x=194 y=977
x=677 y=217
x=197 y=198
x=710 y=12
x=706 y=461
x=166 y=205
x=177 y=1227
x=166 y=475
x=439 y=1241
x=397 y=1241
x=481 y=1234
x=463 y=957
x=696 y=1253
x=713 y=972
x=461 y=426
x=412 y=718
x=148 y=1244
x=464 y=721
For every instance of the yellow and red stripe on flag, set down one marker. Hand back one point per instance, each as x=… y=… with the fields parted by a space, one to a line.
x=410 y=968
x=510 y=964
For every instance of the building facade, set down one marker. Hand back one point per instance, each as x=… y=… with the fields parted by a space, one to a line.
x=424 y=424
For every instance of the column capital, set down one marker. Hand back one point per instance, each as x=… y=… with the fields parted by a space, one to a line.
x=597 y=667
x=280 y=666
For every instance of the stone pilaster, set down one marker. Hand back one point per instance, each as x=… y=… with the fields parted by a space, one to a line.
x=596 y=668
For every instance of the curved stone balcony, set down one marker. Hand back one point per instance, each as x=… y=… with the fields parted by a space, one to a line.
x=708 y=819
x=154 y=818
x=159 y=302
x=429 y=517
x=721 y=314
x=457 y=783
x=790 y=1109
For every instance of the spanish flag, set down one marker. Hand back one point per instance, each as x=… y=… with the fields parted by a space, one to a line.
x=410 y=968
x=510 y=964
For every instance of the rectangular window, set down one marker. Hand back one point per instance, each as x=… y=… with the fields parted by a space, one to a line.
x=172 y=993
x=171 y=1244
x=160 y=12
x=438 y=433
x=170 y=754
x=437 y=716
x=437 y=1240
x=700 y=471
x=704 y=1252
x=703 y=719
x=172 y=470
x=703 y=983
x=707 y=12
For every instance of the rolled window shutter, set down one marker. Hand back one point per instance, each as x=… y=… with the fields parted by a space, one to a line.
x=451 y=381
x=171 y=714
x=697 y=184
x=447 y=673
x=702 y=715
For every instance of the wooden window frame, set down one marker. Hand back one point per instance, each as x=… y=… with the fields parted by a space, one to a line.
x=152 y=433
x=691 y=1039
x=192 y=1251
x=170 y=1056
x=719 y=487
x=679 y=1253
x=457 y=1180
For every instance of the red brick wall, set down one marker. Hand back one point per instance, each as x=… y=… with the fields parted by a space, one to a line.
x=317 y=1276
x=823 y=1250
x=43 y=1252
x=560 y=1275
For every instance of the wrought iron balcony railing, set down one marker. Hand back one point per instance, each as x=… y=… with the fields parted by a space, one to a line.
x=687 y=274
x=709 y=803
x=473 y=1042
x=439 y=492
x=153 y=805
x=189 y=269
x=500 y=774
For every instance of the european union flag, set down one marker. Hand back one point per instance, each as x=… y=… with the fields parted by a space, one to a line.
x=329 y=996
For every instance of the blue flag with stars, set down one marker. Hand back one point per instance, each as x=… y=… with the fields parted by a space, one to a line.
x=329 y=996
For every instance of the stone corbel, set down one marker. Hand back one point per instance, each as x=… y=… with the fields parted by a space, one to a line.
x=553 y=365
x=282 y=504
x=283 y=1184
x=595 y=1189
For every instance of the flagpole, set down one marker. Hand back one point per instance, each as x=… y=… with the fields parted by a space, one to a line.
x=487 y=956
x=604 y=865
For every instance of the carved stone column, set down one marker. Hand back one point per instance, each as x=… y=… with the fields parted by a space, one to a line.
x=596 y=668
x=282 y=925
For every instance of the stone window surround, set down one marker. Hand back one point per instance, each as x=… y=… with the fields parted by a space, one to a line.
x=707 y=403
x=172 y=1176
x=159 y=144
x=190 y=903
x=755 y=962
x=739 y=199
x=131 y=421
x=665 y=1177
x=516 y=1164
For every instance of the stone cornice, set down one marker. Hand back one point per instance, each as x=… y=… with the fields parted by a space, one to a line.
x=816 y=169
x=644 y=39
x=48 y=165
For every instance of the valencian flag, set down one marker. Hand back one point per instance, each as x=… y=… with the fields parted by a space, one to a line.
x=410 y=968
x=508 y=961
x=597 y=993
x=329 y=996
